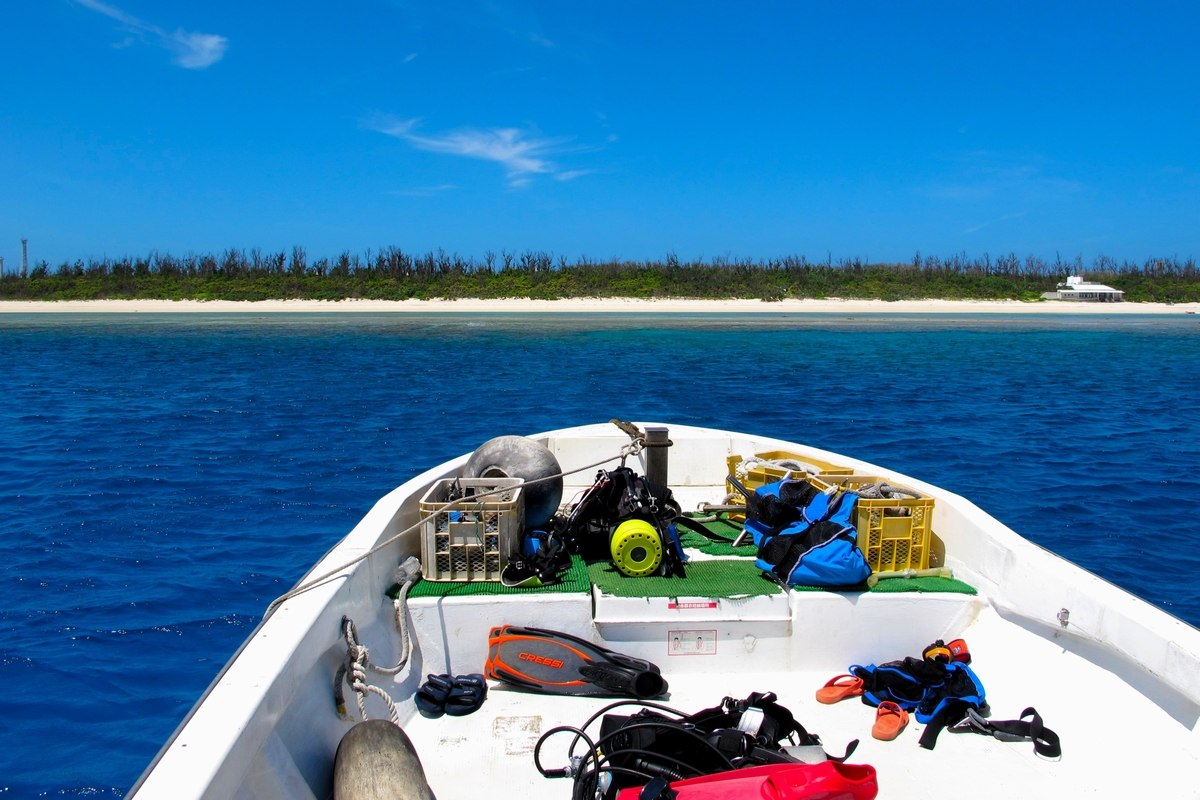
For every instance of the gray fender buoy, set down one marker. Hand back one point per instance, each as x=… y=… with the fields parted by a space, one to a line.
x=377 y=761
x=518 y=457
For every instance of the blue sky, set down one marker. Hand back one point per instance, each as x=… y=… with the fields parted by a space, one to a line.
x=600 y=130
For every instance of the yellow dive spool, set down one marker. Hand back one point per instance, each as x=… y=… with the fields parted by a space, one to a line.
x=637 y=549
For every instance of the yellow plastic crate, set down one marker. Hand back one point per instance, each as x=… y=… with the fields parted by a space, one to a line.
x=761 y=474
x=893 y=533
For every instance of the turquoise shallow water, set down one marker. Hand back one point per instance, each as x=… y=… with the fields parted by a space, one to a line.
x=163 y=478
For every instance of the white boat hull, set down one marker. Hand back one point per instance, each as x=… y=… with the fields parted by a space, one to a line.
x=1119 y=681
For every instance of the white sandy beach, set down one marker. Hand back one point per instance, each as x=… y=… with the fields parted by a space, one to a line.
x=594 y=306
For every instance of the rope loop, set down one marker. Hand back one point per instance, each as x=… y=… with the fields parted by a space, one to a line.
x=354 y=672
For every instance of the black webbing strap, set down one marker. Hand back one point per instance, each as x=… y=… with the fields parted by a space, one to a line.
x=699 y=527
x=951 y=712
x=1045 y=741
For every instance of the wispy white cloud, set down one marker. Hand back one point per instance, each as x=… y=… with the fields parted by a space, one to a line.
x=994 y=191
x=975 y=228
x=191 y=50
x=423 y=191
x=522 y=156
x=983 y=175
x=197 y=50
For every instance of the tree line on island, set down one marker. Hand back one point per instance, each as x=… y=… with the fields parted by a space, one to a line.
x=394 y=274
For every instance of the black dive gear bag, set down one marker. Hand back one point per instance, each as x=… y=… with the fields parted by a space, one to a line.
x=617 y=496
x=737 y=733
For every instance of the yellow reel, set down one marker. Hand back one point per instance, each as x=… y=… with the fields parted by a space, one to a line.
x=637 y=549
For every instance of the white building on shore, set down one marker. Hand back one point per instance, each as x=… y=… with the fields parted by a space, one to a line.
x=1079 y=290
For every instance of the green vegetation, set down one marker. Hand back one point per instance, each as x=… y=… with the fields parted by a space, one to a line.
x=392 y=274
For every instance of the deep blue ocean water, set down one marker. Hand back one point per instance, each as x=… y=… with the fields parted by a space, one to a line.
x=163 y=478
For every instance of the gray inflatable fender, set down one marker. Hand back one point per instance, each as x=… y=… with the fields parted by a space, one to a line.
x=377 y=761
x=519 y=457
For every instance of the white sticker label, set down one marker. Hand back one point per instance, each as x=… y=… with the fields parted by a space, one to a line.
x=692 y=643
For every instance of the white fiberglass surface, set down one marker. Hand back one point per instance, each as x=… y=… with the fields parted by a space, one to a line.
x=1102 y=722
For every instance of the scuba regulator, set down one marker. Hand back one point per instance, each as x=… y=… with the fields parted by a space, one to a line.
x=627 y=519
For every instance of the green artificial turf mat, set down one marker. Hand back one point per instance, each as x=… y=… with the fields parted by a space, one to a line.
x=574 y=579
x=717 y=578
x=931 y=584
x=722 y=577
x=899 y=585
x=723 y=533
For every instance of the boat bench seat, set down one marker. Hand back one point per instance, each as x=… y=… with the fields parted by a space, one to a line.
x=787 y=630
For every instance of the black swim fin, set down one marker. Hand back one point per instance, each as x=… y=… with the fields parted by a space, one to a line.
x=558 y=663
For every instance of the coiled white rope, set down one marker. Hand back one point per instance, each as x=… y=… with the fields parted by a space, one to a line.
x=885 y=491
x=788 y=465
x=358 y=661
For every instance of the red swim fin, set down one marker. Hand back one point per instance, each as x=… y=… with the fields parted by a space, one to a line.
x=827 y=780
x=553 y=662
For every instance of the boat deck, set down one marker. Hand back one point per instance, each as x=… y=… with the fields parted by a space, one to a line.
x=791 y=643
x=1118 y=682
x=1097 y=716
